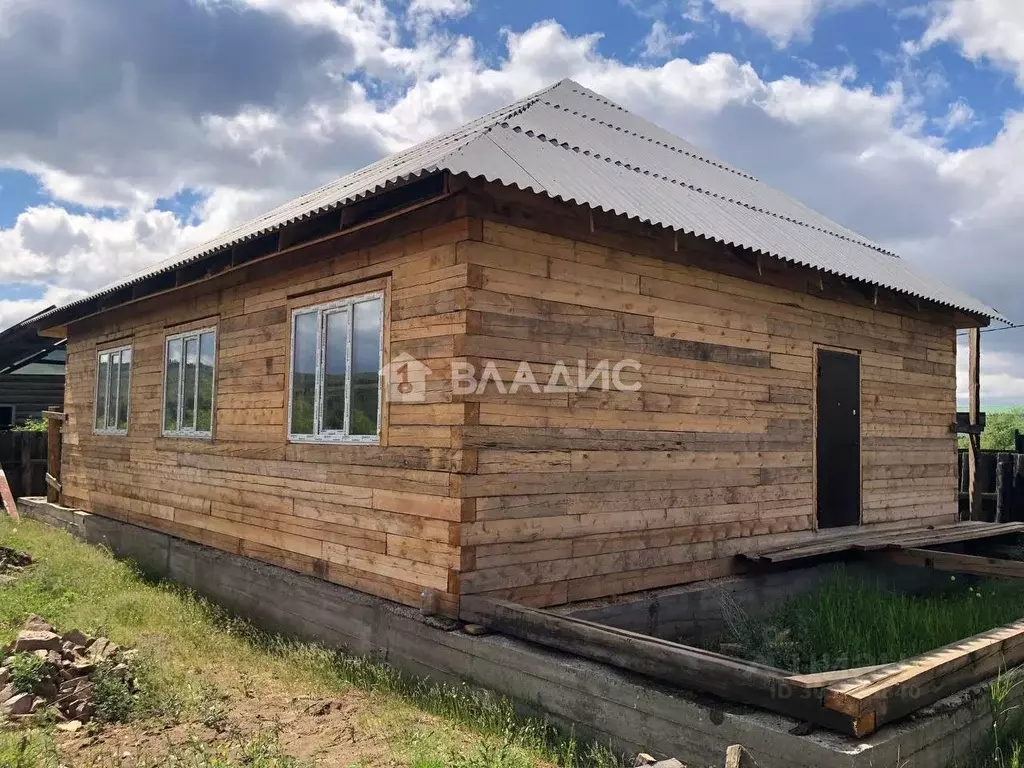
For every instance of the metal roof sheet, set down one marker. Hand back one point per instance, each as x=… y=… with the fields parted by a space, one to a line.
x=572 y=144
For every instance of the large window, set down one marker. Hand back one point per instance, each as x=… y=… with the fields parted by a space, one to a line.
x=188 y=383
x=113 y=385
x=335 y=371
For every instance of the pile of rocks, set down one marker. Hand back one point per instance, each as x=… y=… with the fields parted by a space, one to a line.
x=64 y=676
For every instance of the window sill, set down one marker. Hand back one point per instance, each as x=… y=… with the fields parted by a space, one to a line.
x=206 y=437
x=113 y=432
x=314 y=440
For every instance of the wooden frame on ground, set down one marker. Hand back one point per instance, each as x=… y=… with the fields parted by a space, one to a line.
x=853 y=701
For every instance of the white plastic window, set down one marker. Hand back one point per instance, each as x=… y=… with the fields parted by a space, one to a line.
x=189 y=374
x=334 y=383
x=113 y=388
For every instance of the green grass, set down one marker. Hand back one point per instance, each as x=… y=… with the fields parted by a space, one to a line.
x=195 y=656
x=850 y=622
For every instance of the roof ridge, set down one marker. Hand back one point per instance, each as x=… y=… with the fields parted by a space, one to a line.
x=657 y=142
x=680 y=183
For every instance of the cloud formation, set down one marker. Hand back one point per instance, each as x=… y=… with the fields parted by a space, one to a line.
x=991 y=30
x=330 y=86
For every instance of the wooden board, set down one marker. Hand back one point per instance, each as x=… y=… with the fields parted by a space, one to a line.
x=865 y=540
x=898 y=689
x=7 y=497
x=953 y=562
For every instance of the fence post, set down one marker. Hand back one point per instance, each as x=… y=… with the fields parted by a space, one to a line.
x=1004 y=486
x=54 y=422
x=26 y=463
x=1018 y=487
x=974 y=444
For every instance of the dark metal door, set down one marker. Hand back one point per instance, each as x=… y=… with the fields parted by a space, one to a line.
x=838 y=439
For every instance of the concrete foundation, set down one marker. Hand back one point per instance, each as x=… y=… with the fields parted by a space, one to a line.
x=702 y=609
x=630 y=712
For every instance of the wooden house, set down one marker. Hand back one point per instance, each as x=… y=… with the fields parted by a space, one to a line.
x=31 y=374
x=296 y=390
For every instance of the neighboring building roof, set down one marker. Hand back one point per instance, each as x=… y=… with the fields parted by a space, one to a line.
x=572 y=144
x=20 y=345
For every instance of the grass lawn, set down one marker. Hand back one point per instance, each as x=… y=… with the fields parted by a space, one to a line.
x=216 y=693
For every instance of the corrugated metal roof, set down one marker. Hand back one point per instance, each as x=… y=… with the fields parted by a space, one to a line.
x=572 y=144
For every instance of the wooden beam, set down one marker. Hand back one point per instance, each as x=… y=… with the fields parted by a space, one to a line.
x=26 y=466
x=974 y=439
x=54 y=421
x=952 y=562
x=54 y=415
x=899 y=689
x=7 y=497
x=695 y=668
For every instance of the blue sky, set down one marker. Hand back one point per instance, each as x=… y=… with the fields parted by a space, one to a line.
x=157 y=125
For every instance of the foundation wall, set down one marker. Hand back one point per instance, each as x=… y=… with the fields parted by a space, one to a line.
x=627 y=711
x=703 y=609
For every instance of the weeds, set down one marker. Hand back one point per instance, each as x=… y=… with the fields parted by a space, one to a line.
x=26 y=750
x=850 y=622
x=27 y=672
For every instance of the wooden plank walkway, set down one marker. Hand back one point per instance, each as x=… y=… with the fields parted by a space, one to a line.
x=902 y=538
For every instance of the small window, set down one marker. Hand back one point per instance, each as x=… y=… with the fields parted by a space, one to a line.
x=188 y=383
x=113 y=385
x=6 y=416
x=335 y=371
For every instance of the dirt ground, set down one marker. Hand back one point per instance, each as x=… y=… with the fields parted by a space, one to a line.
x=330 y=731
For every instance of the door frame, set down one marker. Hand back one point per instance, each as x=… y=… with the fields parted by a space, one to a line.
x=814 y=430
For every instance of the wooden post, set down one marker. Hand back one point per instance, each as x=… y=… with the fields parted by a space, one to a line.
x=26 y=463
x=1018 y=441
x=1004 y=487
x=54 y=422
x=974 y=444
x=1018 y=487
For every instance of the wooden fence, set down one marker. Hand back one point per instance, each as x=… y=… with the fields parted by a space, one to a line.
x=23 y=458
x=1001 y=477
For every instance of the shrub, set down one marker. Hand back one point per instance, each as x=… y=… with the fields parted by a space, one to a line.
x=27 y=672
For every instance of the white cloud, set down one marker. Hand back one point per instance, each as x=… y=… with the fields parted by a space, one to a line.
x=982 y=29
x=441 y=8
x=960 y=115
x=781 y=20
x=857 y=154
x=661 y=43
x=1001 y=377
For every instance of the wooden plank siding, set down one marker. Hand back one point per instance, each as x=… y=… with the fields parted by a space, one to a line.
x=379 y=518
x=585 y=494
x=542 y=498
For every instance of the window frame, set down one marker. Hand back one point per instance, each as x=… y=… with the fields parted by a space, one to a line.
x=183 y=336
x=322 y=311
x=114 y=430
